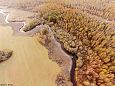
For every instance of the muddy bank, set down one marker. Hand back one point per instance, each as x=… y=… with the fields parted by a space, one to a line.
x=73 y=65
x=17 y=26
x=62 y=57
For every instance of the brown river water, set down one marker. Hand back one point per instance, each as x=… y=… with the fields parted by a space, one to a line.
x=29 y=65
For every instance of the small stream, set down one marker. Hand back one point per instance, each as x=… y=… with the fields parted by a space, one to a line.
x=73 y=76
x=73 y=65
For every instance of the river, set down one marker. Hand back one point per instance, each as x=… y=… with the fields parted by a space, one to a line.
x=29 y=65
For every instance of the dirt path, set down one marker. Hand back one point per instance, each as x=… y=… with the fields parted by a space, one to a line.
x=29 y=65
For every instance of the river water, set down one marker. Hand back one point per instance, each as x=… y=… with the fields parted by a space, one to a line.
x=29 y=65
